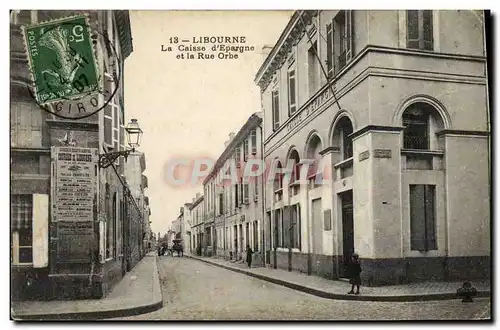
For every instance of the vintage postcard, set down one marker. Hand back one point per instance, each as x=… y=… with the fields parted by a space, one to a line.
x=250 y=165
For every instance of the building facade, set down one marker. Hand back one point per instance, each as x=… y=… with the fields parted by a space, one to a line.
x=381 y=102
x=233 y=201
x=197 y=209
x=138 y=183
x=86 y=257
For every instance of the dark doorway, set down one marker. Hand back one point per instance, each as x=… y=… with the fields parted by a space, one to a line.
x=347 y=228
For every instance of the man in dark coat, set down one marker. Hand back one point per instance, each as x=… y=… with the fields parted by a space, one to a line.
x=354 y=272
x=249 y=256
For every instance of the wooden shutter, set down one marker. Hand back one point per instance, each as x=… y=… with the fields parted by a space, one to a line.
x=349 y=24
x=427 y=30
x=40 y=230
x=276 y=111
x=430 y=217
x=292 y=106
x=329 y=49
x=412 y=36
x=254 y=141
x=286 y=226
x=417 y=217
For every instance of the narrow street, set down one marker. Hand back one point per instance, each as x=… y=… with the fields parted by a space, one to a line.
x=193 y=290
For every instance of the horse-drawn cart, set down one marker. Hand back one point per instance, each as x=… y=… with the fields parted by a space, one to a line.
x=178 y=247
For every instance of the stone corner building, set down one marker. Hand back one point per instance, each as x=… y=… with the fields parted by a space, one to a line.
x=49 y=260
x=395 y=105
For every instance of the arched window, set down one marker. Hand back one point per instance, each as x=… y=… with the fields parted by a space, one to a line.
x=314 y=146
x=341 y=138
x=421 y=121
x=295 y=159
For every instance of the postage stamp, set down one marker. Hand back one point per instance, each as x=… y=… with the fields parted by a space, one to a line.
x=61 y=59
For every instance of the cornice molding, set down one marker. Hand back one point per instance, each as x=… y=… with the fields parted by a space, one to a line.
x=289 y=38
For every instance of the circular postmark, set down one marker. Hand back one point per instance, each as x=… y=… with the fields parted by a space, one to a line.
x=67 y=80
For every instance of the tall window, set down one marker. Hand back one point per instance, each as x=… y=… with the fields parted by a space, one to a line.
x=256 y=236
x=237 y=156
x=256 y=189
x=416 y=128
x=329 y=49
x=296 y=226
x=245 y=193
x=253 y=139
x=221 y=204
x=342 y=38
x=109 y=223
x=419 y=29
x=292 y=99
x=422 y=217
x=312 y=69
x=22 y=227
x=245 y=150
x=277 y=228
x=276 y=109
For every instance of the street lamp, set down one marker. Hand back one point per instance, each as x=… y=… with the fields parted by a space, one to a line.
x=134 y=134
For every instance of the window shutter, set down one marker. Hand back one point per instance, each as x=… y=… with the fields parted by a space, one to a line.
x=245 y=193
x=108 y=125
x=417 y=217
x=291 y=92
x=40 y=230
x=412 y=40
x=299 y=227
x=430 y=219
x=349 y=33
x=276 y=110
x=254 y=141
x=427 y=30
x=286 y=226
x=245 y=150
x=329 y=49
x=256 y=189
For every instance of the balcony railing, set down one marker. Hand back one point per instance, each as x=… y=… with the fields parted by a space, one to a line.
x=415 y=142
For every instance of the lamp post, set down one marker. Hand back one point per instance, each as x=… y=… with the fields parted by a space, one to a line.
x=134 y=134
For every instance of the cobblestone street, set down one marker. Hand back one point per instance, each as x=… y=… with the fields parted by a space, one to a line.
x=193 y=290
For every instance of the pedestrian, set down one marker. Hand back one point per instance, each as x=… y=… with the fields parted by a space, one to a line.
x=249 y=256
x=354 y=272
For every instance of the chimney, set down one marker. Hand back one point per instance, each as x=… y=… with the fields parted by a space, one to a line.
x=226 y=144
x=231 y=136
x=194 y=199
x=181 y=210
x=198 y=195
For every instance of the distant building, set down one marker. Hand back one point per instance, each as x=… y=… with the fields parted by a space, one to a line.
x=234 y=210
x=197 y=210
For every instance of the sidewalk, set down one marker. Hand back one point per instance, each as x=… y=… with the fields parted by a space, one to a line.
x=138 y=292
x=338 y=289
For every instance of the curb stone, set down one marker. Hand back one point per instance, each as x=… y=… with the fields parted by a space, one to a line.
x=339 y=296
x=96 y=315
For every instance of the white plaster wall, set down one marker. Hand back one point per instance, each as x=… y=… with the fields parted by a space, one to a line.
x=468 y=203
x=362 y=198
x=386 y=187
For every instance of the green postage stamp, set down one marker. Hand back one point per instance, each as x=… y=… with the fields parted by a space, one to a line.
x=61 y=59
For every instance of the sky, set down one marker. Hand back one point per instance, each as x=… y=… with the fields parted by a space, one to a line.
x=188 y=107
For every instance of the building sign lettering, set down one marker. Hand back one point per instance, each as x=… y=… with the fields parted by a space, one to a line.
x=382 y=153
x=312 y=107
x=74 y=180
x=364 y=155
